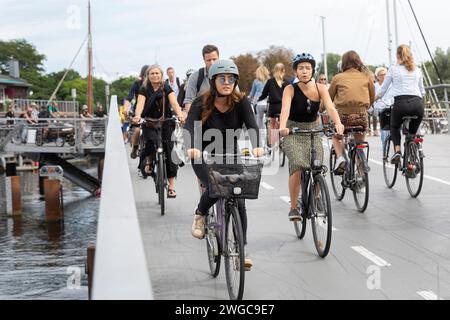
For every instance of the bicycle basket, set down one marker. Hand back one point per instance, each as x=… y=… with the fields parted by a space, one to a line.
x=234 y=180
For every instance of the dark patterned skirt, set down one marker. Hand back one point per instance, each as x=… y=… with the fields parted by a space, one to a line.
x=298 y=147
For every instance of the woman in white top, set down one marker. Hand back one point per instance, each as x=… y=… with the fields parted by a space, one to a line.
x=383 y=106
x=408 y=92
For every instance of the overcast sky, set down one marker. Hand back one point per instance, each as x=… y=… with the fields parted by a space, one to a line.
x=128 y=34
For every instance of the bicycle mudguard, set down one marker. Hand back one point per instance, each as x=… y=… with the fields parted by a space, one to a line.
x=362 y=155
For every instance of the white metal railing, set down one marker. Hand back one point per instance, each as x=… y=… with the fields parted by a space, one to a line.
x=120 y=268
x=63 y=106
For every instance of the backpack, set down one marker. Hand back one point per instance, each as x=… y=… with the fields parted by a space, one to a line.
x=201 y=77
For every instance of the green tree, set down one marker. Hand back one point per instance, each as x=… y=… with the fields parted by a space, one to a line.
x=442 y=60
x=332 y=62
x=121 y=87
x=247 y=65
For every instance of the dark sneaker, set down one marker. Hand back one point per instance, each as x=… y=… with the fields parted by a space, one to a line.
x=295 y=215
x=134 y=151
x=397 y=158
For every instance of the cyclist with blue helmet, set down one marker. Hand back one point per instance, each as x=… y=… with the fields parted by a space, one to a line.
x=301 y=103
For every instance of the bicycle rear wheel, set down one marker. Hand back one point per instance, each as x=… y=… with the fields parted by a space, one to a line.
x=390 y=170
x=337 y=182
x=213 y=243
x=414 y=170
x=361 y=186
x=322 y=224
x=161 y=183
x=234 y=255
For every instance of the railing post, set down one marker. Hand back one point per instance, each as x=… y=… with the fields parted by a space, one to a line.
x=447 y=106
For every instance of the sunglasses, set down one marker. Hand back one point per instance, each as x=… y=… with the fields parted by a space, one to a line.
x=323 y=79
x=308 y=108
x=227 y=79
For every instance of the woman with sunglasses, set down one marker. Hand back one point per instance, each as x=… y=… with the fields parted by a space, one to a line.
x=301 y=103
x=221 y=109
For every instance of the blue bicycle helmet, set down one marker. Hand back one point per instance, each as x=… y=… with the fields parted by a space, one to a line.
x=304 y=57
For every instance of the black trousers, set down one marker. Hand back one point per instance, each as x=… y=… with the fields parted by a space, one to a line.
x=206 y=202
x=151 y=138
x=406 y=106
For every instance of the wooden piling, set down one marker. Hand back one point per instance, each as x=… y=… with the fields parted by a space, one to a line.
x=53 y=204
x=90 y=268
x=16 y=196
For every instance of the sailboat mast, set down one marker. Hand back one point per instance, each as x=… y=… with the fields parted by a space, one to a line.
x=90 y=87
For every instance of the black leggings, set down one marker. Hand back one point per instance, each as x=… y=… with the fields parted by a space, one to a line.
x=151 y=139
x=405 y=106
x=206 y=202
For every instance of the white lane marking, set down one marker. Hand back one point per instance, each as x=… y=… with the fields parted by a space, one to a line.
x=267 y=186
x=286 y=199
x=322 y=225
x=429 y=295
x=425 y=176
x=372 y=257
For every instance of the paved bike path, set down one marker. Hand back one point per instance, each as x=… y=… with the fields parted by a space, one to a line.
x=411 y=236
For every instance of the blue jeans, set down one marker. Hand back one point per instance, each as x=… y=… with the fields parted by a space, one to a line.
x=384 y=135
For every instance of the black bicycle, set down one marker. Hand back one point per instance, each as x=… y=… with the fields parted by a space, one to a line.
x=231 y=179
x=412 y=166
x=159 y=163
x=356 y=176
x=315 y=200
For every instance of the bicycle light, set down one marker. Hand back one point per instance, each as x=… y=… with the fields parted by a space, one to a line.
x=237 y=191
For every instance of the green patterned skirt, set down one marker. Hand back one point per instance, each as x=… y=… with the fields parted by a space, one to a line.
x=298 y=147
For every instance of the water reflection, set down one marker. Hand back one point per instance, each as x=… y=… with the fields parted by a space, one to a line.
x=35 y=256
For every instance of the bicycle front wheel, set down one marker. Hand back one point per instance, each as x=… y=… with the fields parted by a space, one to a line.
x=234 y=255
x=361 y=184
x=161 y=183
x=414 y=170
x=337 y=182
x=390 y=170
x=322 y=224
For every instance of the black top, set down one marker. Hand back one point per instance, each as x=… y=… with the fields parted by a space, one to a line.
x=100 y=114
x=134 y=91
x=273 y=91
x=241 y=115
x=154 y=101
x=303 y=109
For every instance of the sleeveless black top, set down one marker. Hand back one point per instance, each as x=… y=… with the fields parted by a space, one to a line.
x=303 y=109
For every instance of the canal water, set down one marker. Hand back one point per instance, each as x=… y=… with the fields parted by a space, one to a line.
x=39 y=260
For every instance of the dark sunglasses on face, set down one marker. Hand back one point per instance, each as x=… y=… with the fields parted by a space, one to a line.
x=227 y=79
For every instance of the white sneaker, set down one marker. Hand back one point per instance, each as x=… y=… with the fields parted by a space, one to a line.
x=340 y=166
x=198 y=227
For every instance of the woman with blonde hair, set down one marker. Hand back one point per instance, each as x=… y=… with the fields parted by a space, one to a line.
x=155 y=100
x=405 y=81
x=262 y=76
x=274 y=89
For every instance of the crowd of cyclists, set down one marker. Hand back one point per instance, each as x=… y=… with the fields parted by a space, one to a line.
x=210 y=99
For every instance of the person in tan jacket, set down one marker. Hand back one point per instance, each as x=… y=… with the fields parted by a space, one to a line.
x=353 y=92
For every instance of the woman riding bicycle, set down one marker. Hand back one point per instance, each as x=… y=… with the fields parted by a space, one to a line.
x=353 y=92
x=155 y=101
x=301 y=103
x=274 y=90
x=408 y=91
x=221 y=109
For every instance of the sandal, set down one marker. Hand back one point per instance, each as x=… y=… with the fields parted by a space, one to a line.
x=171 y=194
x=148 y=167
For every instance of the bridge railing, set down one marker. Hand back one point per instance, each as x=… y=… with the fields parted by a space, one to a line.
x=437 y=112
x=120 y=268
x=76 y=133
x=63 y=106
